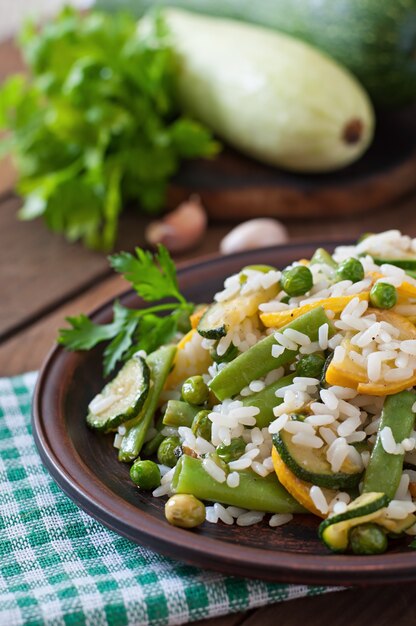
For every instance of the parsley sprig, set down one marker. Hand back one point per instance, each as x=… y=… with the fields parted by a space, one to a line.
x=154 y=278
x=95 y=125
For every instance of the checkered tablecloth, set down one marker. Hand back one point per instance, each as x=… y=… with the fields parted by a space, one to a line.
x=58 y=566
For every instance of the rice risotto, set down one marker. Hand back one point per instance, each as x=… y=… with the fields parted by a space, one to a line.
x=307 y=397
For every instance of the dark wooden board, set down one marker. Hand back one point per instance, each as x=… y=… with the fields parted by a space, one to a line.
x=234 y=187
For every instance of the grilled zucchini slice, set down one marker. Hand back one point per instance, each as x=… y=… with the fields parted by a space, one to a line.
x=122 y=398
x=311 y=465
x=221 y=316
x=334 y=531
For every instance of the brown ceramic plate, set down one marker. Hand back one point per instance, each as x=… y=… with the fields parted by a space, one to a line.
x=85 y=466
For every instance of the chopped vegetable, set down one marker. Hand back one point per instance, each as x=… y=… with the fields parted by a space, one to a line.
x=179 y=413
x=145 y=474
x=297 y=280
x=253 y=492
x=368 y=539
x=383 y=295
x=121 y=399
x=311 y=365
x=194 y=390
x=258 y=360
x=384 y=470
x=297 y=487
x=311 y=465
x=335 y=530
x=350 y=269
x=160 y=363
x=169 y=451
x=281 y=318
x=185 y=511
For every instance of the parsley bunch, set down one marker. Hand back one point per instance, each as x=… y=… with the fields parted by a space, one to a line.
x=97 y=125
x=153 y=277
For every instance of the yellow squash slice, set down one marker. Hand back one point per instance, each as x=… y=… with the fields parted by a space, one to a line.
x=281 y=318
x=298 y=488
x=349 y=374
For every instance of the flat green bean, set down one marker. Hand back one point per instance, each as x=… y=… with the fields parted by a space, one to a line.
x=266 y=400
x=179 y=413
x=257 y=361
x=384 y=470
x=254 y=492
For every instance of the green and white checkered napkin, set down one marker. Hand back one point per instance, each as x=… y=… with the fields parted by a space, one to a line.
x=59 y=566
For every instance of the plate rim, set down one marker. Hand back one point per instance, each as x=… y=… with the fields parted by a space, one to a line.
x=214 y=553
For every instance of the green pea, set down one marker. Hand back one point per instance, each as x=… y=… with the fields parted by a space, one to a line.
x=201 y=426
x=169 y=451
x=184 y=510
x=233 y=451
x=145 y=474
x=229 y=355
x=194 y=390
x=311 y=366
x=350 y=269
x=296 y=281
x=368 y=539
x=383 y=295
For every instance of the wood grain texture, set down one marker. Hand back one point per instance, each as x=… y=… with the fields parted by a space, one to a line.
x=383 y=606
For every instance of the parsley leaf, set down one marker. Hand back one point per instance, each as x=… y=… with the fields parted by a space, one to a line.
x=96 y=125
x=154 y=278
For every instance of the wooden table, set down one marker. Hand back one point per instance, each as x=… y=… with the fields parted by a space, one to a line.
x=43 y=279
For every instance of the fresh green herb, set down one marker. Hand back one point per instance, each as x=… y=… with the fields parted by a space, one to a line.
x=96 y=125
x=153 y=277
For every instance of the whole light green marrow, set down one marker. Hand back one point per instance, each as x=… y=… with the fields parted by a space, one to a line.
x=272 y=97
x=375 y=39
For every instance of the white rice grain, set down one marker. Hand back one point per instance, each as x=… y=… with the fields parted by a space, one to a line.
x=210 y=515
x=277 y=350
x=250 y=518
x=278 y=519
x=388 y=442
x=211 y=468
x=319 y=499
x=309 y=441
x=297 y=337
x=285 y=341
x=222 y=514
x=279 y=423
x=233 y=479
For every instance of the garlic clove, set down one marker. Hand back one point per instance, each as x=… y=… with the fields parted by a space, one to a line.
x=257 y=233
x=180 y=229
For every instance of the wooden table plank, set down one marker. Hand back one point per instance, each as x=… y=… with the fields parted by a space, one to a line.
x=383 y=606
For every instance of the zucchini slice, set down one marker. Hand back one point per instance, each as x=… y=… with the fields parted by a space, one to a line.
x=122 y=398
x=221 y=316
x=334 y=531
x=311 y=465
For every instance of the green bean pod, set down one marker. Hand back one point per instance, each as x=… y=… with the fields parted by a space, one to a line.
x=258 y=361
x=254 y=492
x=384 y=470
